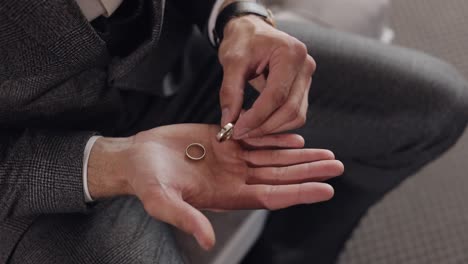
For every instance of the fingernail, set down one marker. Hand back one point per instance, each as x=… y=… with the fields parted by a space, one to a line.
x=201 y=242
x=204 y=244
x=243 y=133
x=225 y=115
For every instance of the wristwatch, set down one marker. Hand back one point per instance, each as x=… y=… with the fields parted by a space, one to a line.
x=238 y=9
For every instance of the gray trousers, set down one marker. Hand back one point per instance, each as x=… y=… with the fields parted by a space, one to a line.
x=384 y=111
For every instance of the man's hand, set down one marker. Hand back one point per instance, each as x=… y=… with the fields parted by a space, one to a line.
x=270 y=172
x=276 y=64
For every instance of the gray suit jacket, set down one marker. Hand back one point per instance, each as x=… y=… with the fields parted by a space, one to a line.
x=59 y=85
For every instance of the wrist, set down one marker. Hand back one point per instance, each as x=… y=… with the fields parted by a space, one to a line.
x=106 y=171
x=232 y=11
x=246 y=23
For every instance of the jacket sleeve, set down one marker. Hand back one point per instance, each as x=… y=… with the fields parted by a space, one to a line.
x=41 y=172
x=43 y=132
x=53 y=96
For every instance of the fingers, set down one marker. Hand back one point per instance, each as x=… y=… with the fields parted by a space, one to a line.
x=275 y=197
x=284 y=66
x=275 y=141
x=298 y=122
x=285 y=157
x=294 y=111
x=170 y=208
x=231 y=95
x=312 y=171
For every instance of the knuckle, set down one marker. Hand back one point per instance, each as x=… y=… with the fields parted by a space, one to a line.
x=280 y=96
x=300 y=49
x=301 y=119
x=245 y=155
x=310 y=65
x=228 y=94
x=257 y=118
x=283 y=39
x=293 y=111
x=265 y=197
x=251 y=172
x=263 y=130
x=232 y=56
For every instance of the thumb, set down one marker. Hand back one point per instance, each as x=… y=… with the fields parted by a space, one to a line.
x=231 y=95
x=175 y=211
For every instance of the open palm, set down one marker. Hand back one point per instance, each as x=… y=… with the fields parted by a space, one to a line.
x=271 y=172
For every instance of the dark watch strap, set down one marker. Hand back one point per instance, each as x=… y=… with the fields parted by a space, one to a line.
x=237 y=9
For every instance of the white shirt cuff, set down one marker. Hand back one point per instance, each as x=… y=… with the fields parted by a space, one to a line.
x=87 y=152
x=212 y=20
x=110 y=6
x=92 y=9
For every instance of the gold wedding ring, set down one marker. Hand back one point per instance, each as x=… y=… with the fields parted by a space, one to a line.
x=195 y=146
x=225 y=133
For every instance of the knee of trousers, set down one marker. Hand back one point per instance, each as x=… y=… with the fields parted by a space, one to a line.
x=412 y=102
x=408 y=81
x=440 y=94
x=421 y=101
x=422 y=91
x=435 y=95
